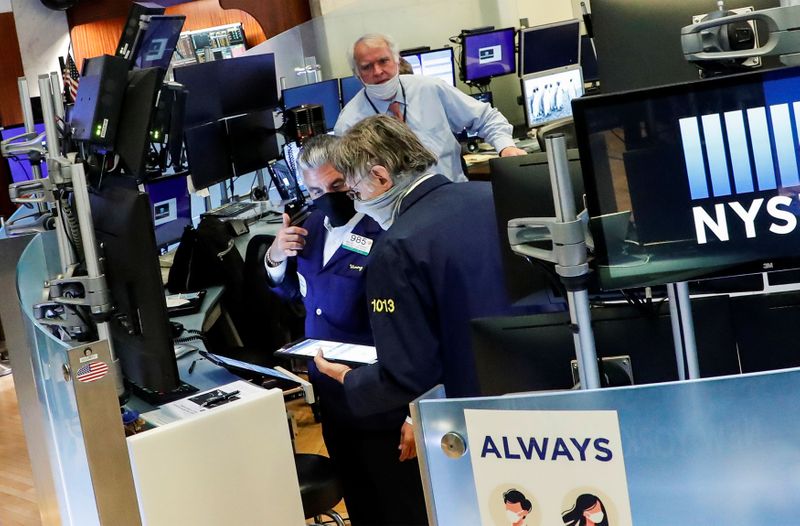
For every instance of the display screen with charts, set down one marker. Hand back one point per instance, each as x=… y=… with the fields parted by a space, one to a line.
x=548 y=95
x=347 y=353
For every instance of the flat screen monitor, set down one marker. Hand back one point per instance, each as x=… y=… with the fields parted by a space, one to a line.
x=208 y=155
x=638 y=41
x=171 y=206
x=588 y=60
x=136 y=118
x=140 y=328
x=534 y=353
x=433 y=63
x=488 y=54
x=325 y=93
x=349 y=86
x=157 y=43
x=549 y=46
x=693 y=180
x=284 y=180
x=253 y=141
x=203 y=103
x=548 y=94
x=21 y=166
x=521 y=188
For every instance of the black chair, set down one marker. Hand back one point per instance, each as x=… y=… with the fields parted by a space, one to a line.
x=320 y=490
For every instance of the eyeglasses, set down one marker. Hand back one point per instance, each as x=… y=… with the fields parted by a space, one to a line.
x=354 y=194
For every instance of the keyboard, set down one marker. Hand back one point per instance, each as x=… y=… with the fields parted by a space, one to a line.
x=231 y=210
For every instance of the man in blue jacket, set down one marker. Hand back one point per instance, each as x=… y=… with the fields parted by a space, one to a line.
x=324 y=262
x=437 y=266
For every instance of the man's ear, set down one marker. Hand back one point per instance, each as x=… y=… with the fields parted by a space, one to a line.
x=382 y=177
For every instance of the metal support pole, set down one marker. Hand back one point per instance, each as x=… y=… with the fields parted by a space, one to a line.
x=572 y=264
x=680 y=309
x=27 y=119
x=68 y=257
x=58 y=98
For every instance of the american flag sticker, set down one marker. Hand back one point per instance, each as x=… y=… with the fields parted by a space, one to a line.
x=92 y=371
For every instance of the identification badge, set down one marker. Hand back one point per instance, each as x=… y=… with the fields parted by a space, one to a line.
x=358 y=244
x=301 y=282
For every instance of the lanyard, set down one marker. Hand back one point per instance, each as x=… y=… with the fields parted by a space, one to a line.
x=405 y=106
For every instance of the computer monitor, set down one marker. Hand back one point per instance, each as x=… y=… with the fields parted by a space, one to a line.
x=433 y=63
x=136 y=117
x=157 y=43
x=284 y=180
x=534 y=353
x=139 y=327
x=253 y=141
x=488 y=54
x=588 y=60
x=521 y=188
x=171 y=206
x=694 y=180
x=208 y=155
x=349 y=86
x=21 y=169
x=325 y=93
x=549 y=46
x=639 y=45
x=548 y=94
x=203 y=103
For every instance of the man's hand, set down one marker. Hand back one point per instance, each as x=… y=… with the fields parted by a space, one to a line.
x=407 y=447
x=288 y=242
x=512 y=151
x=334 y=370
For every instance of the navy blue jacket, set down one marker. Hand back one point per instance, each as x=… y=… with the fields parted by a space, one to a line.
x=335 y=301
x=436 y=268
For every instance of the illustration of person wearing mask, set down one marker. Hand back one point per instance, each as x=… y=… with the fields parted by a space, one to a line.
x=517 y=507
x=588 y=511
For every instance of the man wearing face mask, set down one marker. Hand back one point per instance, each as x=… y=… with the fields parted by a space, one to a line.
x=324 y=262
x=437 y=266
x=433 y=109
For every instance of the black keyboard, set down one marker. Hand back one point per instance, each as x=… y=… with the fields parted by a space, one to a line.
x=231 y=210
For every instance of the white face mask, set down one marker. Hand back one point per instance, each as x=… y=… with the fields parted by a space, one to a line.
x=384 y=91
x=513 y=516
x=596 y=517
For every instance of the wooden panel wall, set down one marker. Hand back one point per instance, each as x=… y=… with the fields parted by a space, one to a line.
x=96 y=25
x=10 y=70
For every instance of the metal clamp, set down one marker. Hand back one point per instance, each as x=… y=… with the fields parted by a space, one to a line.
x=57 y=316
x=568 y=240
x=95 y=294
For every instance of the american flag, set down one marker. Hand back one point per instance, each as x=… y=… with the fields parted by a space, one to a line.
x=71 y=78
x=91 y=372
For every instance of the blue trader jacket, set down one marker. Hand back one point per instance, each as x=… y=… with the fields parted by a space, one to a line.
x=435 y=269
x=335 y=299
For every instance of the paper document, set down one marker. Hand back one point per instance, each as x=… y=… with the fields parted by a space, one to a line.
x=200 y=402
x=333 y=351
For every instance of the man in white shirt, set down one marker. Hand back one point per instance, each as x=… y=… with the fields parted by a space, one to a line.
x=433 y=109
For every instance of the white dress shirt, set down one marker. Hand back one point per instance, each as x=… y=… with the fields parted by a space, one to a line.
x=435 y=111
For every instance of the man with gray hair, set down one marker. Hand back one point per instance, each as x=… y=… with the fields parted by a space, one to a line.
x=437 y=266
x=433 y=109
x=324 y=262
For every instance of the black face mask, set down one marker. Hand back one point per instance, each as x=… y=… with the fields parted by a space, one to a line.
x=337 y=206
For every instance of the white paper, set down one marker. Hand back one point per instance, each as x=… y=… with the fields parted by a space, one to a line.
x=190 y=406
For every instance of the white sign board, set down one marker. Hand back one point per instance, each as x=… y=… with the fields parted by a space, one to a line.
x=548 y=468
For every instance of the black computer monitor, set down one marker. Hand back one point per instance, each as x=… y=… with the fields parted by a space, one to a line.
x=140 y=328
x=521 y=188
x=588 y=60
x=549 y=46
x=694 y=180
x=157 y=43
x=349 y=86
x=253 y=141
x=488 y=54
x=230 y=87
x=534 y=353
x=548 y=95
x=135 y=120
x=325 y=93
x=171 y=206
x=284 y=180
x=638 y=41
x=433 y=63
x=208 y=155
x=21 y=166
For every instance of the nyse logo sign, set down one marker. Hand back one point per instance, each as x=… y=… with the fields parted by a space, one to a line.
x=753 y=167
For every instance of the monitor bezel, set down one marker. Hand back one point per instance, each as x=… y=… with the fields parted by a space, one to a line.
x=445 y=48
x=521 y=41
x=546 y=73
x=467 y=36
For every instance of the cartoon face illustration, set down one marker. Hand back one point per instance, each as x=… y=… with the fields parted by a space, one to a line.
x=588 y=511
x=517 y=507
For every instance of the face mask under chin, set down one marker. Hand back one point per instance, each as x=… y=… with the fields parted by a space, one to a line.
x=384 y=91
